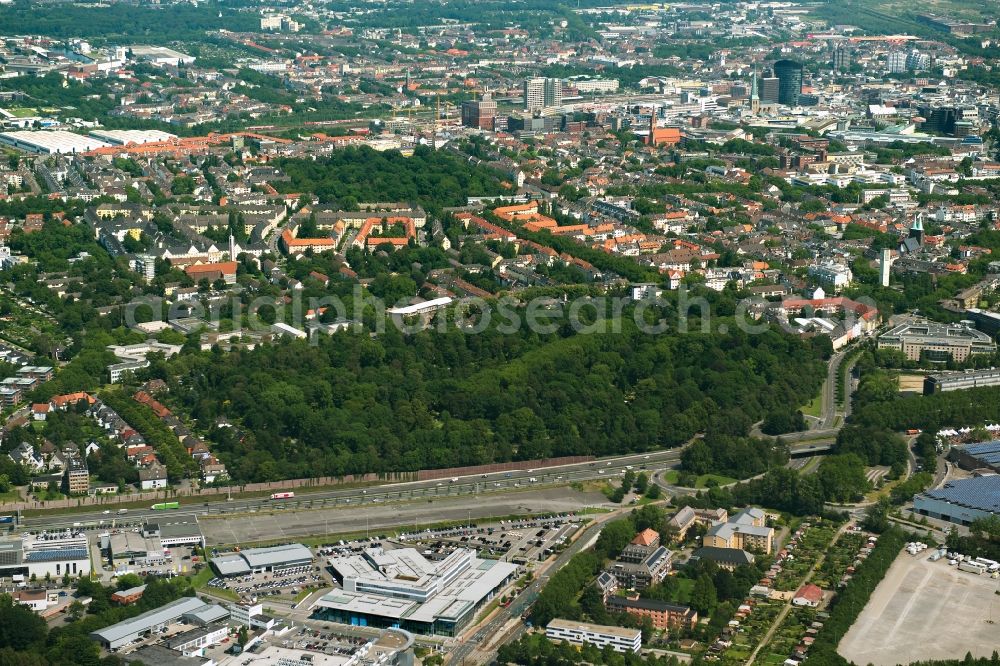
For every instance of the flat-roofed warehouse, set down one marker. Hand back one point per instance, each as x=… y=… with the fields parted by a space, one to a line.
x=983 y=455
x=178 y=531
x=255 y=560
x=125 y=137
x=958 y=381
x=53 y=555
x=160 y=55
x=47 y=142
x=190 y=609
x=962 y=501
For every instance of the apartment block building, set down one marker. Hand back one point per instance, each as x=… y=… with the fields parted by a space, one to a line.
x=578 y=633
x=662 y=614
x=746 y=530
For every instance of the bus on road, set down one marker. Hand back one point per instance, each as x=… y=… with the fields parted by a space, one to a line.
x=282 y=496
x=163 y=506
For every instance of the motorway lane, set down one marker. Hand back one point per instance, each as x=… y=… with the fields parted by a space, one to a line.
x=373 y=495
x=377 y=519
x=830 y=391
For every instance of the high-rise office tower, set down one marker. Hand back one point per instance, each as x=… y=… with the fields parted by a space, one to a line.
x=768 y=88
x=895 y=62
x=553 y=92
x=841 y=59
x=534 y=94
x=789 y=75
x=917 y=61
x=884 y=266
x=479 y=113
x=540 y=93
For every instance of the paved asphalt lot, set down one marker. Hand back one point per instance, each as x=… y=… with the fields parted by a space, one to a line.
x=261 y=526
x=923 y=611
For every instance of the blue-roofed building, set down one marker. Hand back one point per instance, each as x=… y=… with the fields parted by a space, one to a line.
x=984 y=455
x=961 y=502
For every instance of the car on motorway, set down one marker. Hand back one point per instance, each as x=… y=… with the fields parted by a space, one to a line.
x=106 y=511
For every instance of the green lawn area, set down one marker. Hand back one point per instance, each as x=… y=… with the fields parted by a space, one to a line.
x=201 y=578
x=22 y=111
x=671 y=476
x=10 y=496
x=813 y=407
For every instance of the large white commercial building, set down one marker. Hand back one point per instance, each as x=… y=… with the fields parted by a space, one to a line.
x=48 y=142
x=256 y=560
x=835 y=277
x=401 y=588
x=619 y=638
x=125 y=137
x=134 y=357
x=938 y=342
x=52 y=555
x=160 y=55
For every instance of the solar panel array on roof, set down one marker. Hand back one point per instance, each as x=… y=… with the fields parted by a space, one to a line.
x=56 y=554
x=982 y=493
x=988 y=452
x=11 y=553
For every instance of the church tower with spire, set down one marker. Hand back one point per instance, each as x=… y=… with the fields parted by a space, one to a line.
x=754 y=94
x=917 y=230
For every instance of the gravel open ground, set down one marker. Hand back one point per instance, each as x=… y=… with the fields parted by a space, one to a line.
x=925 y=611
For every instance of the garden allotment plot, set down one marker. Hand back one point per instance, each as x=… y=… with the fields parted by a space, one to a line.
x=924 y=611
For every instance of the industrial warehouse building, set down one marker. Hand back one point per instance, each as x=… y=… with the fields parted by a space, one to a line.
x=961 y=502
x=149 y=545
x=47 y=142
x=981 y=456
x=189 y=609
x=256 y=560
x=125 y=137
x=53 y=555
x=958 y=381
x=400 y=588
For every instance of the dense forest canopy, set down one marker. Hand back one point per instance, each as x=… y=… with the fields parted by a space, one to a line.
x=353 y=403
x=433 y=179
x=137 y=23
